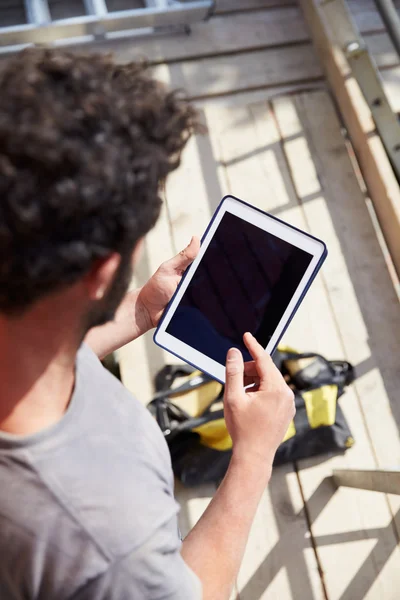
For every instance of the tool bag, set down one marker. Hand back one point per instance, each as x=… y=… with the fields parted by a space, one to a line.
x=189 y=410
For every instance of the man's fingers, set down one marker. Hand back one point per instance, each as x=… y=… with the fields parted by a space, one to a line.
x=234 y=374
x=262 y=360
x=181 y=261
x=255 y=349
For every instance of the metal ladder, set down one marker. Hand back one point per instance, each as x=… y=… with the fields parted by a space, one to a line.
x=367 y=75
x=98 y=22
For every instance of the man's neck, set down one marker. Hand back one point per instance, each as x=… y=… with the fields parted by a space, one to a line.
x=37 y=369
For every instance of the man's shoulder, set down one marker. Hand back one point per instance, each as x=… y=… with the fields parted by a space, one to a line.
x=104 y=471
x=99 y=485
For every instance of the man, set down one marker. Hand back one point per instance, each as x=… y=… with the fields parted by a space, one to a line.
x=86 y=496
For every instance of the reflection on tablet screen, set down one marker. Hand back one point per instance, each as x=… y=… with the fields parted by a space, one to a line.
x=244 y=282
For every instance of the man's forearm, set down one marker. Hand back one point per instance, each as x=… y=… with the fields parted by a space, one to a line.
x=214 y=548
x=131 y=321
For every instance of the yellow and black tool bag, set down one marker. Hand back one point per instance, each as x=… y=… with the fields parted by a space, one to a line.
x=189 y=409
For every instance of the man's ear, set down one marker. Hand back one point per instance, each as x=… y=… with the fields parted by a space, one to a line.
x=101 y=276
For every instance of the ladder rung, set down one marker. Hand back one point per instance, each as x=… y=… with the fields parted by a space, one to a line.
x=96 y=7
x=37 y=12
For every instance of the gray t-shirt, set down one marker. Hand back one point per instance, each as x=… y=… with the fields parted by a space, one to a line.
x=87 y=509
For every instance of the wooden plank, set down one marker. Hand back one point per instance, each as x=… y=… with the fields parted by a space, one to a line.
x=194 y=191
x=236 y=33
x=374 y=164
x=279 y=560
x=366 y=566
x=231 y=74
x=261 y=95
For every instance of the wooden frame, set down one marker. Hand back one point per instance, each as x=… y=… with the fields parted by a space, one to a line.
x=376 y=169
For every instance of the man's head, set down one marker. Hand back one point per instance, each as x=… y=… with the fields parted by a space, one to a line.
x=84 y=146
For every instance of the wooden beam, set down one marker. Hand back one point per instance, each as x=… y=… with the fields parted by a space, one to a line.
x=222 y=75
x=376 y=480
x=378 y=174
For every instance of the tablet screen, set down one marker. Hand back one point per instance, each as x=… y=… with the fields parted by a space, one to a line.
x=244 y=282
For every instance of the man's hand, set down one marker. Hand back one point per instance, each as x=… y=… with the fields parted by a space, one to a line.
x=158 y=291
x=257 y=419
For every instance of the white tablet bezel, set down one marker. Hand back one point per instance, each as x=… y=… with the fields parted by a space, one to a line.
x=260 y=219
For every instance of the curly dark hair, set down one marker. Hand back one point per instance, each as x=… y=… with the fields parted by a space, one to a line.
x=85 y=145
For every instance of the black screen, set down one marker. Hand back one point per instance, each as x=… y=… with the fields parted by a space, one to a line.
x=244 y=282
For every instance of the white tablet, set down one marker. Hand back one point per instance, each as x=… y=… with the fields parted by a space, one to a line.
x=251 y=274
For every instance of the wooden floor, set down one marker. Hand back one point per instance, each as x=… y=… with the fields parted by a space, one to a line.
x=288 y=156
x=276 y=141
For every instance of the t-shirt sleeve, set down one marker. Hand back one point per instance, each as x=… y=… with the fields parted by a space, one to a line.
x=155 y=571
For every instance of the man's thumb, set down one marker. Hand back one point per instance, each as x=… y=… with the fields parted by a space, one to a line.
x=181 y=261
x=234 y=373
